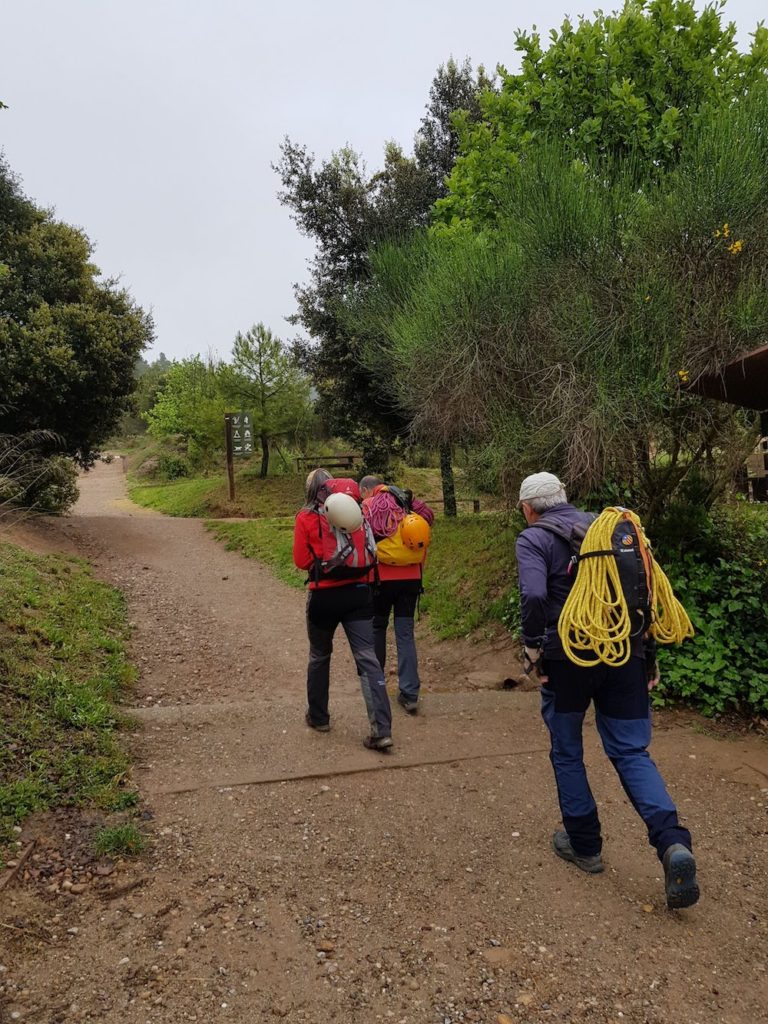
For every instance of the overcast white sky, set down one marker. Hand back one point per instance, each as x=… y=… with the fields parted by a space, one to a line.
x=152 y=124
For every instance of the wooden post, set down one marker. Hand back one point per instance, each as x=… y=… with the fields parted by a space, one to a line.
x=230 y=458
x=475 y=505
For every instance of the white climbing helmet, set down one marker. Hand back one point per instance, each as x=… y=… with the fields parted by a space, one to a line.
x=343 y=512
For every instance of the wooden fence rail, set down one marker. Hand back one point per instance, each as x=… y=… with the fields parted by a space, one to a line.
x=459 y=501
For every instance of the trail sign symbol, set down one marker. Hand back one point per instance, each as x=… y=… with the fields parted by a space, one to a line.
x=240 y=427
x=234 y=424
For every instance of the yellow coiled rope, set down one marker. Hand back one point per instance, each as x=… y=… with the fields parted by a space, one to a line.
x=595 y=624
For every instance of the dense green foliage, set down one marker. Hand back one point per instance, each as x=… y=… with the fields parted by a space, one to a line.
x=190 y=398
x=629 y=84
x=723 y=583
x=564 y=337
x=62 y=664
x=190 y=407
x=149 y=380
x=68 y=340
x=30 y=476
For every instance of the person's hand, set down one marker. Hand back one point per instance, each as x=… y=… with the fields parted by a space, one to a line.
x=655 y=680
x=532 y=664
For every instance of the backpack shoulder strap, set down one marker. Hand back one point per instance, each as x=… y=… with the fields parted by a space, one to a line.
x=400 y=496
x=574 y=537
x=551 y=528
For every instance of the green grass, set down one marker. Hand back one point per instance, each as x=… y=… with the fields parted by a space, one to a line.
x=468 y=578
x=119 y=841
x=190 y=497
x=209 y=496
x=62 y=664
x=470 y=573
x=268 y=540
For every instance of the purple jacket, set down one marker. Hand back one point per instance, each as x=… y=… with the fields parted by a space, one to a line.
x=542 y=566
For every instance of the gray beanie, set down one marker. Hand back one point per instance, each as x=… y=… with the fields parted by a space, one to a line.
x=540 y=485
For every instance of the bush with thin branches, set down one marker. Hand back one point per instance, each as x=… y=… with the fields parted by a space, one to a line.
x=566 y=336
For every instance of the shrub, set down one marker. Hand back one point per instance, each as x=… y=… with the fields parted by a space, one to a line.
x=33 y=478
x=174 y=467
x=723 y=583
x=54 y=491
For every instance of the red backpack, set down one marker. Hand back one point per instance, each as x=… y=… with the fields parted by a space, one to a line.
x=343 y=556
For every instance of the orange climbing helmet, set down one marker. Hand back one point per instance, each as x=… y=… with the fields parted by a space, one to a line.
x=415 y=532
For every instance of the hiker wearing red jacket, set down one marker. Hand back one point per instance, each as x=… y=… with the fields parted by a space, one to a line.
x=339 y=556
x=399 y=585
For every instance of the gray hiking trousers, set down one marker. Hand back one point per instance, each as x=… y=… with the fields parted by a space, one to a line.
x=350 y=606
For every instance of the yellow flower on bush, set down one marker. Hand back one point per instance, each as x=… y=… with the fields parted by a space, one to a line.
x=683 y=375
x=735 y=247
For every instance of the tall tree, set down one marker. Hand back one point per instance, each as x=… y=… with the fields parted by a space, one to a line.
x=454 y=105
x=266 y=377
x=565 y=336
x=68 y=339
x=349 y=213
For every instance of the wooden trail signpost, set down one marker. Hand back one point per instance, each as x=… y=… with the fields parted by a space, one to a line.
x=238 y=431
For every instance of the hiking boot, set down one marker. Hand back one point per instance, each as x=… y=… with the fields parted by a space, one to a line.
x=680 y=877
x=377 y=742
x=561 y=844
x=407 y=703
x=315 y=726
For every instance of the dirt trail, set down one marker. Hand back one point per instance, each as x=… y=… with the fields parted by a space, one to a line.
x=296 y=875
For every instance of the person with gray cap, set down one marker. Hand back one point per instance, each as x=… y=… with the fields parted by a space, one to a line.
x=619 y=693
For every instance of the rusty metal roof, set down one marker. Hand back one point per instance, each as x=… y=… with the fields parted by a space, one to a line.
x=744 y=381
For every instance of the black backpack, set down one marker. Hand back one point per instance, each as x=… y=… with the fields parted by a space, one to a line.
x=628 y=552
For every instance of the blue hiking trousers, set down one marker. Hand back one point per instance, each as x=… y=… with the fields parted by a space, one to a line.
x=623 y=719
x=400 y=596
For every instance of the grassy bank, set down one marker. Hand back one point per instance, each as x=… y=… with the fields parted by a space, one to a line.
x=207 y=495
x=468 y=579
x=268 y=540
x=62 y=663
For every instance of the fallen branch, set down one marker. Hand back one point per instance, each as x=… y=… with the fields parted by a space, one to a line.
x=36 y=931
x=11 y=873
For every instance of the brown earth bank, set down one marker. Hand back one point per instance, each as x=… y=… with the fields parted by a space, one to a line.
x=295 y=875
